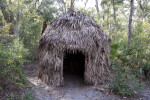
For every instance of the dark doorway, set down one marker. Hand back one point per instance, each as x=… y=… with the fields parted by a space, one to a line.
x=73 y=67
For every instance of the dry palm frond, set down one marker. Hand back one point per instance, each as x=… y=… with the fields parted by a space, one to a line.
x=72 y=32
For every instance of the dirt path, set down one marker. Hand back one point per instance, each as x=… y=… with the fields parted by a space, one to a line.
x=74 y=89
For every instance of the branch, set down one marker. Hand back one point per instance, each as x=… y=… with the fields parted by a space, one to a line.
x=8 y=14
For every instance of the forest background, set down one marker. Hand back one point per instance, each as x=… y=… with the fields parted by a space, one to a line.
x=127 y=22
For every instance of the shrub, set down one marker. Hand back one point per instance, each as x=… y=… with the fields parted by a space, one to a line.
x=31 y=30
x=137 y=56
x=28 y=96
x=124 y=83
x=11 y=62
x=126 y=64
x=146 y=69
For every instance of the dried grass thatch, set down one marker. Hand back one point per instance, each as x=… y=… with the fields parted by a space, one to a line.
x=72 y=32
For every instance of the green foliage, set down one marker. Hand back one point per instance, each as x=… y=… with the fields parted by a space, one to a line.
x=88 y=12
x=103 y=2
x=1 y=20
x=146 y=69
x=11 y=62
x=25 y=96
x=32 y=21
x=1 y=88
x=4 y=29
x=130 y=63
x=124 y=83
x=46 y=10
x=30 y=32
x=27 y=1
x=11 y=97
x=5 y=39
x=28 y=96
x=137 y=56
x=30 y=36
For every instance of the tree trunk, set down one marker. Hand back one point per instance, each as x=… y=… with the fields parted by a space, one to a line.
x=114 y=10
x=141 y=9
x=44 y=26
x=103 y=12
x=130 y=22
x=96 y=5
x=17 y=22
x=72 y=4
x=108 y=24
x=85 y=3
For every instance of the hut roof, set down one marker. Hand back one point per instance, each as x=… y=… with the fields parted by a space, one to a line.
x=74 y=30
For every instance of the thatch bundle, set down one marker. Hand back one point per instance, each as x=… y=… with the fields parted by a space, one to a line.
x=73 y=32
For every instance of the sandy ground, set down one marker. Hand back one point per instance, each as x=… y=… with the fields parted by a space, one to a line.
x=74 y=89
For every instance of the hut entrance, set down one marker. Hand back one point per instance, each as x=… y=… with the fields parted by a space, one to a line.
x=73 y=67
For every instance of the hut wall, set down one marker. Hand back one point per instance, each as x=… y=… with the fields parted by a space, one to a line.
x=95 y=68
x=51 y=67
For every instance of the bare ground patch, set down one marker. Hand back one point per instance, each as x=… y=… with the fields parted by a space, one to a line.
x=74 y=89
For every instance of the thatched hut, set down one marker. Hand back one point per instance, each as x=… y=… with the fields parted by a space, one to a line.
x=74 y=41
